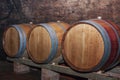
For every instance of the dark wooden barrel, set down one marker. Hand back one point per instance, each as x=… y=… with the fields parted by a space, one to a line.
x=14 y=39
x=117 y=57
x=44 y=41
x=91 y=45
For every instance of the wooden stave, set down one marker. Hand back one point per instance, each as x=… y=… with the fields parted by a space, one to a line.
x=22 y=31
x=54 y=54
x=114 y=45
x=63 y=26
x=117 y=60
x=78 y=69
x=28 y=47
x=54 y=42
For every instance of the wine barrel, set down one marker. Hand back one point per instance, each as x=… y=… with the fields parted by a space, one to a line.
x=44 y=41
x=91 y=45
x=14 y=39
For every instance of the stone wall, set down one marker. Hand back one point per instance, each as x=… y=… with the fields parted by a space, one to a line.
x=69 y=11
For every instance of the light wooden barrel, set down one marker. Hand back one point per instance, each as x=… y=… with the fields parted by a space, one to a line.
x=14 y=39
x=92 y=45
x=44 y=41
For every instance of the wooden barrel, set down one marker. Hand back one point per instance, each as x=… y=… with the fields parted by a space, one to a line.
x=91 y=45
x=44 y=41
x=14 y=39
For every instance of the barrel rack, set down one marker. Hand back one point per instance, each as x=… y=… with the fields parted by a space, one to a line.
x=113 y=74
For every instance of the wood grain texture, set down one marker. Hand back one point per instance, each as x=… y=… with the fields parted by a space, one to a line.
x=113 y=39
x=26 y=28
x=11 y=43
x=117 y=57
x=11 y=39
x=59 y=32
x=39 y=42
x=83 y=47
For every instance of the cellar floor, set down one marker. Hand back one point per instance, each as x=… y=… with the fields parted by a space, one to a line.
x=7 y=73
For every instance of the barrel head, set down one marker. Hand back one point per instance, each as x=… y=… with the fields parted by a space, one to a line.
x=11 y=42
x=39 y=44
x=83 y=47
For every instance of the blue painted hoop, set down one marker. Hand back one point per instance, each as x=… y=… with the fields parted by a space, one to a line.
x=60 y=25
x=22 y=38
x=54 y=42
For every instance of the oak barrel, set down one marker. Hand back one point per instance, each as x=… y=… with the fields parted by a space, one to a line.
x=14 y=39
x=44 y=41
x=91 y=45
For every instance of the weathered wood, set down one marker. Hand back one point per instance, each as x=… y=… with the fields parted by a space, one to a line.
x=115 y=70
x=67 y=70
x=57 y=60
